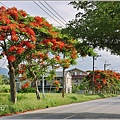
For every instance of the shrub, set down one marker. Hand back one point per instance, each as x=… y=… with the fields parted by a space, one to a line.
x=27 y=90
x=4 y=88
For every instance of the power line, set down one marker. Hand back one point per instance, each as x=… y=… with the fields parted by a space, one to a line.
x=47 y=13
x=4 y=4
x=82 y=65
x=55 y=12
x=88 y=63
x=51 y=12
x=3 y=64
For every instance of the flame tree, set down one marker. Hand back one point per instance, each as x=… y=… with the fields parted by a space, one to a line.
x=18 y=34
x=31 y=39
x=107 y=80
x=49 y=47
x=17 y=38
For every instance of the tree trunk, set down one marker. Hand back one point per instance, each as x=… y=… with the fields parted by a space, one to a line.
x=13 y=94
x=63 y=89
x=37 y=91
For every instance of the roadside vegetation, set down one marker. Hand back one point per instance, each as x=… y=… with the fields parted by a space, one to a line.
x=105 y=81
x=28 y=101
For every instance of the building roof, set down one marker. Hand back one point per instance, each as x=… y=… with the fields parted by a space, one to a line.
x=77 y=69
x=58 y=73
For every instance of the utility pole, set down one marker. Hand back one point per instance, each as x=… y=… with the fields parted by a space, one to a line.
x=105 y=65
x=93 y=76
x=63 y=89
x=94 y=58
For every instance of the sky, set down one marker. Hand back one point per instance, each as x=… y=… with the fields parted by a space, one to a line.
x=64 y=14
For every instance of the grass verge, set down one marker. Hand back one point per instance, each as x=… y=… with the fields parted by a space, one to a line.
x=28 y=101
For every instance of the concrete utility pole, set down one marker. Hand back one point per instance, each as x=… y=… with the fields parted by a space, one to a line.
x=63 y=89
x=93 y=76
x=94 y=58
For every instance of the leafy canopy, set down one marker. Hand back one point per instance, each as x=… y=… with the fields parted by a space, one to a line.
x=97 y=24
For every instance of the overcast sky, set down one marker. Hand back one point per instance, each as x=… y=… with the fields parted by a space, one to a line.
x=67 y=13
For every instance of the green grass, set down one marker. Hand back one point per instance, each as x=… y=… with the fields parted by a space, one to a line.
x=28 y=101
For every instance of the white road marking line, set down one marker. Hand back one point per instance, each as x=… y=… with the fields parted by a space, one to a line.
x=69 y=117
x=91 y=109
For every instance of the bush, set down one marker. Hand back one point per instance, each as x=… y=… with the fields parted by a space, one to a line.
x=4 y=88
x=75 y=89
x=27 y=90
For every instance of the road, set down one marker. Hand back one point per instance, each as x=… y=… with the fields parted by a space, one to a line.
x=108 y=108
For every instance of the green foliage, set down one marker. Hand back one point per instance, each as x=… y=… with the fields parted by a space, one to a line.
x=0 y=79
x=97 y=24
x=28 y=90
x=5 y=79
x=28 y=101
x=104 y=81
x=4 y=88
x=74 y=98
x=75 y=88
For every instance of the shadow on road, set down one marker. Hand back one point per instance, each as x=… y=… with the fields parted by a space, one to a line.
x=84 y=115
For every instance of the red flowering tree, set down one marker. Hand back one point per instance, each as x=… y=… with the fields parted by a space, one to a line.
x=18 y=34
x=17 y=39
x=47 y=53
x=50 y=41
x=107 y=80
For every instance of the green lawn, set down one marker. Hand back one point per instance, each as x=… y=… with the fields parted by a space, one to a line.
x=28 y=101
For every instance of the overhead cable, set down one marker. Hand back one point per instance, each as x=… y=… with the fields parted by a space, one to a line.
x=3 y=64
x=3 y=4
x=56 y=12
x=47 y=13
x=51 y=12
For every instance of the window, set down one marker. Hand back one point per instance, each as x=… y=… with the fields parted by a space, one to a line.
x=77 y=81
x=75 y=73
x=81 y=73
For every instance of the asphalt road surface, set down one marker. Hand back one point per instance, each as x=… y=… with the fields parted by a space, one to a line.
x=108 y=108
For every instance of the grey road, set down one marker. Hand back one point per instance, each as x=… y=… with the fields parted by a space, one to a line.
x=108 y=108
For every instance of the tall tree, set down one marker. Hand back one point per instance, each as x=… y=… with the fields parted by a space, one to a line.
x=46 y=54
x=97 y=24
x=17 y=39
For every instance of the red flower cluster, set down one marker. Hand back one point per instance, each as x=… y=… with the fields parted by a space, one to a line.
x=11 y=58
x=26 y=85
x=29 y=45
x=103 y=79
x=54 y=43
x=13 y=29
x=39 y=55
x=56 y=84
x=57 y=58
x=19 y=50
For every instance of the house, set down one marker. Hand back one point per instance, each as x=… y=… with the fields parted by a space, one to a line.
x=59 y=76
x=72 y=76
x=77 y=75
